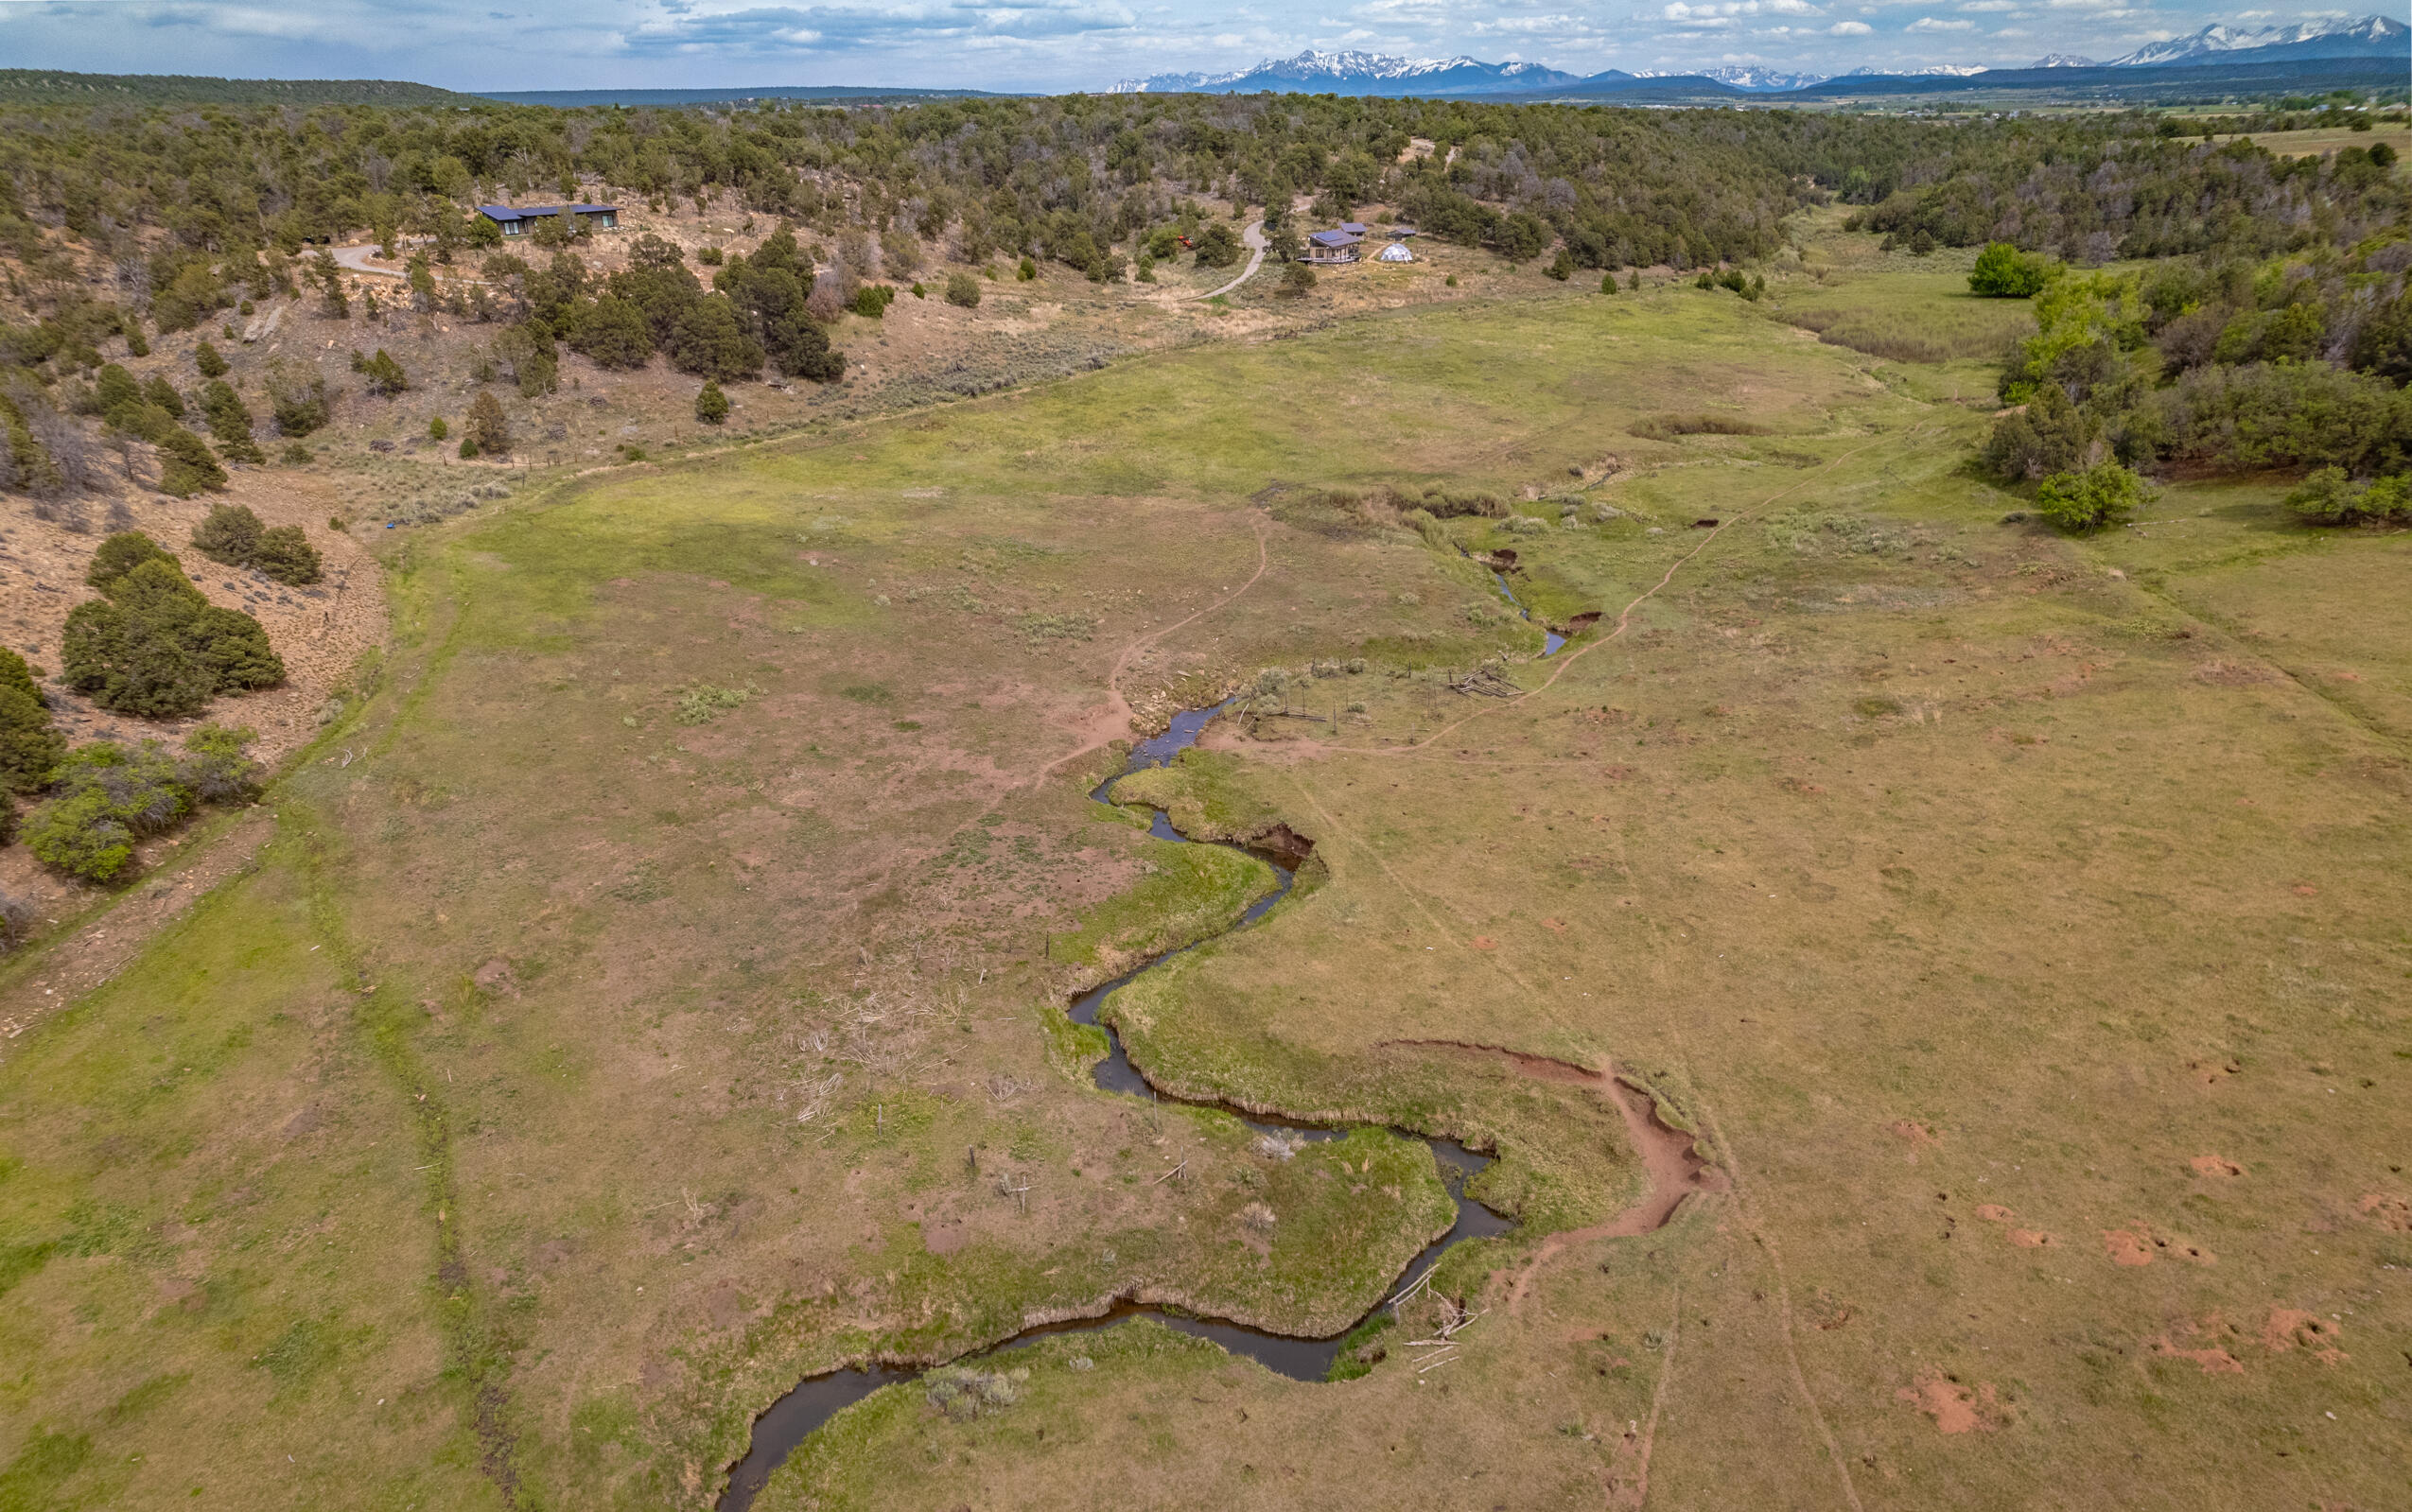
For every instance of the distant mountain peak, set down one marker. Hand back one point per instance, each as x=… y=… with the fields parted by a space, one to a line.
x=1360 y=73
x=2063 y=60
x=1754 y=79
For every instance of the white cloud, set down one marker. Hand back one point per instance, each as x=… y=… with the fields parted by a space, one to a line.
x=1717 y=12
x=1014 y=43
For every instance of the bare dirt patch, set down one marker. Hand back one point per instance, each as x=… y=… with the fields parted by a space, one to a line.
x=2289 y=1328
x=2139 y=1245
x=2387 y=1210
x=2213 y=1360
x=1955 y=1408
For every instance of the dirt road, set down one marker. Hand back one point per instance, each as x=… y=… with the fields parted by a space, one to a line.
x=1253 y=239
x=357 y=260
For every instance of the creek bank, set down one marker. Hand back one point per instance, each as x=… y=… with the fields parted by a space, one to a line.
x=788 y=1422
x=1671 y=1156
x=1675 y=1170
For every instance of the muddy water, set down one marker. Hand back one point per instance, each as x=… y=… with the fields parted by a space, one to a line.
x=794 y=1416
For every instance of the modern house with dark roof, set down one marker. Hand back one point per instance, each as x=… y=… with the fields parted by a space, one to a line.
x=520 y=222
x=1331 y=247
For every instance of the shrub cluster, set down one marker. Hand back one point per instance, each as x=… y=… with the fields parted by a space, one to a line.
x=232 y=534
x=151 y=411
x=1753 y=287
x=2328 y=496
x=297 y=398
x=2295 y=362
x=385 y=376
x=155 y=646
x=2102 y=495
x=756 y=313
x=105 y=797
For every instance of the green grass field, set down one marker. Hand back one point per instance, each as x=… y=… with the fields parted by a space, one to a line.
x=665 y=1002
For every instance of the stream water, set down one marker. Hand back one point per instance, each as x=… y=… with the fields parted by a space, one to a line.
x=791 y=1419
x=1550 y=639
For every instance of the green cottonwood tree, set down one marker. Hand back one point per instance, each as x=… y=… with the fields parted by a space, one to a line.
x=2003 y=271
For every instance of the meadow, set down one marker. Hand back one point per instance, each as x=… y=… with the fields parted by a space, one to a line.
x=654 y=992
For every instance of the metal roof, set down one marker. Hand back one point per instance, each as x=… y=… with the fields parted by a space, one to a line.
x=531 y=212
x=1333 y=238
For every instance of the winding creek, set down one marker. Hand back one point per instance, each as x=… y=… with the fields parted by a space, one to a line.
x=1673 y=1170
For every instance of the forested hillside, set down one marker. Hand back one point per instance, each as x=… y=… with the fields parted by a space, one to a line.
x=50 y=86
x=122 y=222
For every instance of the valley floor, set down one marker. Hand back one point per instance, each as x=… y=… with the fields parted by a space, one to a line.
x=666 y=1001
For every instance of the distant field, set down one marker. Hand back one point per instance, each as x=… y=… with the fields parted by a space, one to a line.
x=2328 y=139
x=1930 y=319
x=1893 y=304
x=652 y=994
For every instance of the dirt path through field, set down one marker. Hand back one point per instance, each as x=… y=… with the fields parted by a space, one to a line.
x=1113 y=722
x=1670 y=1161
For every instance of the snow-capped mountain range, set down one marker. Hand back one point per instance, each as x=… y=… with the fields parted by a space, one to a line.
x=1755 y=80
x=1930 y=71
x=2332 y=38
x=1357 y=73
x=1363 y=73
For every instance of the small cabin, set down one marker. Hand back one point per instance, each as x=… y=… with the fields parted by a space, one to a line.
x=519 y=222
x=1355 y=227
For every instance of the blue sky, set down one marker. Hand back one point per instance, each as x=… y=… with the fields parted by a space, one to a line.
x=1049 y=45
